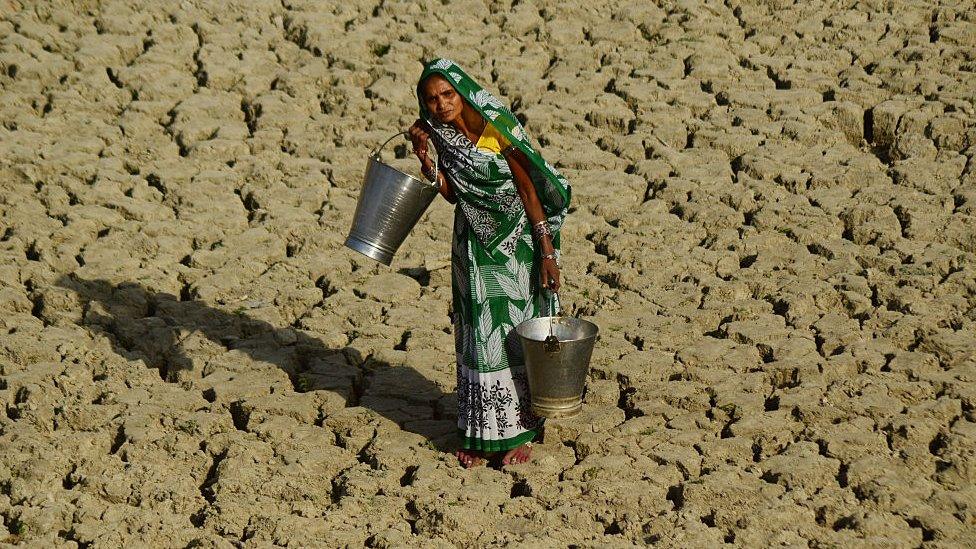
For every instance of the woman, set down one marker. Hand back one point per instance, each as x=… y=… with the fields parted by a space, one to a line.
x=510 y=206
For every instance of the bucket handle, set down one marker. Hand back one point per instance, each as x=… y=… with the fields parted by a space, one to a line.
x=376 y=153
x=551 y=344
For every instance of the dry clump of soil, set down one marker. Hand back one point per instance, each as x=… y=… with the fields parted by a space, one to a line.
x=774 y=225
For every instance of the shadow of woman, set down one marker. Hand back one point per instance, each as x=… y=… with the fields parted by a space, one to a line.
x=189 y=341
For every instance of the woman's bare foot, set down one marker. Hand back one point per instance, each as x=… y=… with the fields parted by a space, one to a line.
x=521 y=454
x=470 y=458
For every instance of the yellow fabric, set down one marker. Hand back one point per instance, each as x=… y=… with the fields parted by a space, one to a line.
x=491 y=140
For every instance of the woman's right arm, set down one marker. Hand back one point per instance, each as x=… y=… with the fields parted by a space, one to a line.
x=419 y=137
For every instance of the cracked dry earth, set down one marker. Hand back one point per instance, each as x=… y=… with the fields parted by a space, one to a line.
x=774 y=225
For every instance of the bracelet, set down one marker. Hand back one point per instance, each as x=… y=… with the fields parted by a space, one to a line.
x=552 y=257
x=505 y=152
x=540 y=230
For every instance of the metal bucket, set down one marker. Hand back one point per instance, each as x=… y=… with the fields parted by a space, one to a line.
x=557 y=368
x=390 y=204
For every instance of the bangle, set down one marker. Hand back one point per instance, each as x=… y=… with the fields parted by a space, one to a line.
x=540 y=230
x=551 y=256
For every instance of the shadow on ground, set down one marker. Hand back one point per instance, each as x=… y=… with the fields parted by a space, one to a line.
x=187 y=340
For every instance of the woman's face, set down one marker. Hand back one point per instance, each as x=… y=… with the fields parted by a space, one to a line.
x=441 y=99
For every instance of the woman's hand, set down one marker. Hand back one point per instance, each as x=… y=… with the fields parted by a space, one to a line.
x=549 y=274
x=419 y=137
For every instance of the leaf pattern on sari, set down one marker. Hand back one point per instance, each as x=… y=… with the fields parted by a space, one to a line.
x=494 y=348
x=480 y=291
x=518 y=133
x=518 y=314
x=523 y=276
x=482 y=169
x=484 y=99
x=443 y=64
x=509 y=286
x=460 y=279
x=467 y=345
x=517 y=285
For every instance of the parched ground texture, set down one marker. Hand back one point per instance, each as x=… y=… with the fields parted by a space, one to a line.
x=774 y=226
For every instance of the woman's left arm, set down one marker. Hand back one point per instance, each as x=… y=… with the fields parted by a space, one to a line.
x=518 y=162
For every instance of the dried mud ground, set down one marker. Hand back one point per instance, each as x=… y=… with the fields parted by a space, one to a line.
x=774 y=226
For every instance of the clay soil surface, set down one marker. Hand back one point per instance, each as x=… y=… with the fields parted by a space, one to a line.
x=774 y=225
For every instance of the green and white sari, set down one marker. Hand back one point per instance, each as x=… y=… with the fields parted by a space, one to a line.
x=495 y=272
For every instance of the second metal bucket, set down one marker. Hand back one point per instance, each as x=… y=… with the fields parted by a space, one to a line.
x=557 y=370
x=390 y=204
